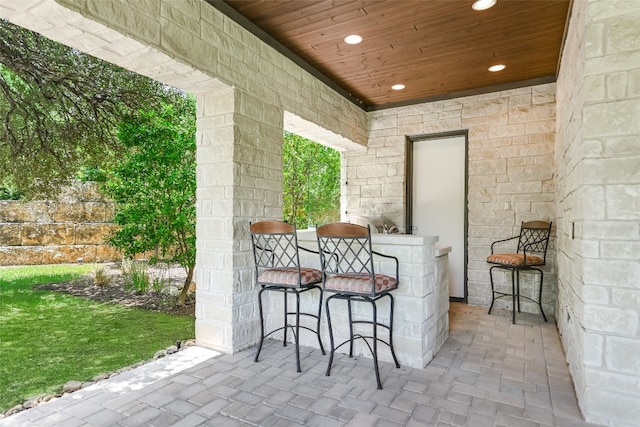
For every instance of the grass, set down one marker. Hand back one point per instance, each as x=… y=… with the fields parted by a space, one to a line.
x=48 y=338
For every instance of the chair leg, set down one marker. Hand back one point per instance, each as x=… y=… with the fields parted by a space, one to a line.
x=493 y=294
x=261 y=325
x=393 y=353
x=350 y=328
x=286 y=317
x=318 y=324
x=518 y=288
x=375 y=342
x=540 y=293
x=326 y=304
x=297 y=337
x=513 y=297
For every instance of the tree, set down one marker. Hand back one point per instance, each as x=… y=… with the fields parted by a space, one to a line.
x=154 y=186
x=311 y=182
x=60 y=109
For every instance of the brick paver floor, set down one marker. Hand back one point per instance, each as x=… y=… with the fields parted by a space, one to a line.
x=488 y=373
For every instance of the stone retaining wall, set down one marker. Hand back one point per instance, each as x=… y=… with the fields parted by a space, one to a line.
x=66 y=230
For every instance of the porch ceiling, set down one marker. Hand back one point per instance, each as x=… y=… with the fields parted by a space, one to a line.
x=437 y=49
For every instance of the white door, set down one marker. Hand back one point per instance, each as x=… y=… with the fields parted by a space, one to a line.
x=438 y=200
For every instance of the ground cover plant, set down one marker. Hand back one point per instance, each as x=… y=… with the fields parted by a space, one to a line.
x=48 y=338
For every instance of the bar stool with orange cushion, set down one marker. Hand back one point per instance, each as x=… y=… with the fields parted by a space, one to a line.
x=531 y=253
x=277 y=268
x=346 y=259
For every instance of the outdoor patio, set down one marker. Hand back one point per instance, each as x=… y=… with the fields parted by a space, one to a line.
x=488 y=373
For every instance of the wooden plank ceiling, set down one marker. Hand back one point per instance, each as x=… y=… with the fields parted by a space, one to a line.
x=437 y=48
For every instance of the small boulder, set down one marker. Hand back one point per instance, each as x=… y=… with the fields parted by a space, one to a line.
x=14 y=410
x=100 y=377
x=71 y=386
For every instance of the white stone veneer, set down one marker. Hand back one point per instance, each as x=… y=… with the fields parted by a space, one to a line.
x=511 y=173
x=598 y=159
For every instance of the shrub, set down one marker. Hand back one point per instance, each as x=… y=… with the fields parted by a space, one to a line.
x=100 y=277
x=136 y=276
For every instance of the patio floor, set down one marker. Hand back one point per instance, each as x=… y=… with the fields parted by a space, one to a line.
x=488 y=373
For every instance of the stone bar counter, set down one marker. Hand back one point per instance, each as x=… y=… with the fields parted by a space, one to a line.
x=421 y=318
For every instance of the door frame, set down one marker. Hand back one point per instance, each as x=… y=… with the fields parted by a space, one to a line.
x=410 y=139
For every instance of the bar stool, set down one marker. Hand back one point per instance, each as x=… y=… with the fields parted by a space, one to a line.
x=531 y=253
x=346 y=259
x=277 y=269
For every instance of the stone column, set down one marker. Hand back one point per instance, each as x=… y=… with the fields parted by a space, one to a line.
x=239 y=173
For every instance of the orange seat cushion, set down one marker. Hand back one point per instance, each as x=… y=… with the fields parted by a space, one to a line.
x=289 y=276
x=359 y=284
x=514 y=259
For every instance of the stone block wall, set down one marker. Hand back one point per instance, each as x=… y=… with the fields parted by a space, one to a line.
x=598 y=158
x=63 y=231
x=511 y=172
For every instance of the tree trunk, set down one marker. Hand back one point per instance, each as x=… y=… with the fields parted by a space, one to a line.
x=187 y=282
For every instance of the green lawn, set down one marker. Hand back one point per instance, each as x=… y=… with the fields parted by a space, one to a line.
x=48 y=338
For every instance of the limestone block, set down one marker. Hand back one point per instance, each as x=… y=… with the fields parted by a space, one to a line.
x=623 y=202
x=620 y=250
x=611 y=230
x=613 y=273
x=611 y=319
x=623 y=34
x=10 y=235
x=621 y=170
x=626 y=298
x=519 y=187
x=605 y=380
x=612 y=118
x=68 y=254
x=623 y=355
x=185 y=13
x=14 y=211
x=143 y=24
x=47 y=234
x=18 y=255
x=93 y=234
x=487 y=107
x=487 y=167
x=81 y=212
x=106 y=253
x=593 y=349
x=595 y=295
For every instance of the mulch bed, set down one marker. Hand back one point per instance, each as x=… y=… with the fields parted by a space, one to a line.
x=115 y=292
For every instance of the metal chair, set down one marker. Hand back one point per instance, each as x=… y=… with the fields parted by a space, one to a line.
x=530 y=254
x=277 y=269
x=346 y=259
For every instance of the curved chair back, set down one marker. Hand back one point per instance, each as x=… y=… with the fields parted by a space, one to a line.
x=346 y=260
x=345 y=249
x=275 y=246
x=534 y=237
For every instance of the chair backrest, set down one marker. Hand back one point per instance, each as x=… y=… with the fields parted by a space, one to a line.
x=275 y=245
x=345 y=249
x=534 y=237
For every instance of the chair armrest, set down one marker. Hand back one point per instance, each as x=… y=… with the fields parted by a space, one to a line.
x=393 y=258
x=501 y=241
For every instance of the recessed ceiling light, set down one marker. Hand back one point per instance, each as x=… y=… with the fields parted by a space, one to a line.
x=353 y=39
x=398 y=87
x=497 y=67
x=483 y=4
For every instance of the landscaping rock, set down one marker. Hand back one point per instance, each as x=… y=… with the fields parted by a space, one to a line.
x=100 y=377
x=71 y=386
